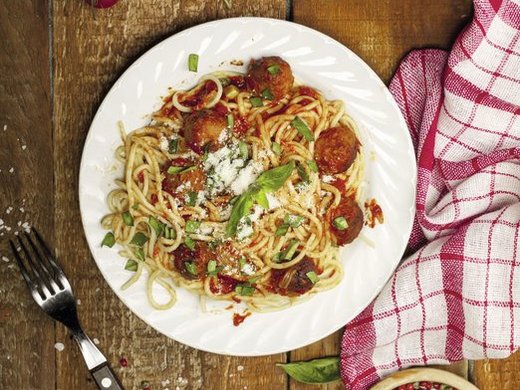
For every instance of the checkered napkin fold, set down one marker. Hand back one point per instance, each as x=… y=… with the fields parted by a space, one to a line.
x=457 y=295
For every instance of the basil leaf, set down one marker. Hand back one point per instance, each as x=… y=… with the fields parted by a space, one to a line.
x=128 y=219
x=273 y=179
x=131 y=265
x=192 y=198
x=322 y=370
x=109 y=240
x=239 y=210
x=302 y=128
x=261 y=199
x=156 y=225
x=244 y=290
x=139 y=253
x=191 y=268
x=139 y=239
x=312 y=165
x=302 y=173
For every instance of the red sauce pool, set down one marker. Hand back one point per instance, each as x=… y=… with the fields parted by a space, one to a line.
x=375 y=213
x=239 y=318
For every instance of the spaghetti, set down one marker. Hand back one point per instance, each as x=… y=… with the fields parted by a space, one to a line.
x=241 y=188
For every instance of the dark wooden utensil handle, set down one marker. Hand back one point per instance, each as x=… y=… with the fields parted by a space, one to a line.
x=105 y=378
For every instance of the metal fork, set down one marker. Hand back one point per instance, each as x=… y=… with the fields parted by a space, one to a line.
x=52 y=292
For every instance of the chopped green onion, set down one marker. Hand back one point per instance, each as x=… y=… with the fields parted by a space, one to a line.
x=174 y=170
x=312 y=277
x=277 y=257
x=282 y=230
x=131 y=265
x=128 y=219
x=244 y=153
x=302 y=173
x=242 y=262
x=189 y=169
x=191 y=268
x=312 y=165
x=139 y=239
x=254 y=279
x=231 y=91
x=340 y=223
x=109 y=240
x=156 y=225
x=277 y=148
x=173 y=146
x=135 y=206
x=192 y=198
x=193 y=62
x=291 y=250
x=224 y=81
x=244 y=290
x=192 y=226
x=302 y=128
x=190 y=243
x=230 y=121
x=212 y=267
x=273 y=69
x=139 y=253
x=293 y=220
x=256 y=101
x=169 y=233
x=267 y=94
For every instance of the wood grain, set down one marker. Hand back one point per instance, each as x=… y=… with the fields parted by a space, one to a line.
x=26 y=176
x=89 y=55
x=503 y=374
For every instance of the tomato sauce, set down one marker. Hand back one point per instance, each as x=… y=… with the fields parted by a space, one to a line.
x=221 y=109
x=223 y=285
x=199 y=98
x=240 y=127
x=375 y=213
x=140 y=177
x=340 y=184
x=239 y=318
x=308 y=91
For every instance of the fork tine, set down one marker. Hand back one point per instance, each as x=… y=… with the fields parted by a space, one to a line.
x=61 y=279
x=41 y=264
x=38 y=279
x=21 y=265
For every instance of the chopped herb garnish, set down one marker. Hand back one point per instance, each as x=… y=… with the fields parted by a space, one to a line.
x=261 y=199
x=135 y=206
x=231 y=91
x=190 y=243
x=174 y=170
x=242 y=262
x=212 y=267
x=267 y=94
x=109 y=240
x=169 y=233
x=244 y=152
x=244 y=290
x=302 y=173
x=277 y=257
x=156 y=225
x=312 y=165
x=192 y=226
x=340 y=223
x=192 y=198
x=254 y=279
x=139 y=253
x=193 y=62
x=302 y=128
x=282 y=230
x=277 y=148
x=289 y=253
x=128 y=219
x=230 y=120
x=139 y=239
x=191 y=268
x=293 y=220
x=256 y=101
x=131 y=265
x=224 y=81
x=312 y=277
x=173 y=146
x=273 y=69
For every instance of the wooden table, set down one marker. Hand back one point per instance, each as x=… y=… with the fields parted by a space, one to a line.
x=57 y=61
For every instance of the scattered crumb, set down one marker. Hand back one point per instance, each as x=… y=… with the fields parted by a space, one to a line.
x=96 y=341
x=22 y=210
x=59 y=347
x=236 y=62
x=78 y=302
x=11 y=170
x=24 y=147
x=8 y=210
x=5 y=259
x=240 y=368
x=5 y=127
x=165 y=383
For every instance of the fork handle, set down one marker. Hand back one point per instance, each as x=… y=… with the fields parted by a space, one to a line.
x=105 y=378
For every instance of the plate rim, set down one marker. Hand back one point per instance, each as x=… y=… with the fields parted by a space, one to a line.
x=251 y=19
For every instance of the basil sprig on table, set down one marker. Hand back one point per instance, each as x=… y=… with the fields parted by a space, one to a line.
x=269 y=181
x=322 y=370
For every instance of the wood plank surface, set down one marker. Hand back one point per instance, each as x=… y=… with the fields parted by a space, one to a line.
x=26 y=176
x=503 y=374
x=89 y=55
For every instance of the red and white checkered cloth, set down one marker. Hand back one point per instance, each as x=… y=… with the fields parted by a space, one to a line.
x=458 y=295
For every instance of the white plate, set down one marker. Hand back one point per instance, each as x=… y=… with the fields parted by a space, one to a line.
x=318 y=61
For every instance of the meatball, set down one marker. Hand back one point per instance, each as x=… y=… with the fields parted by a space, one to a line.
x=191 y=264
x=294 y=280
x=335 y=150
x=204 y=129
x=193 y=180
x=348 y=209
x=271 y=73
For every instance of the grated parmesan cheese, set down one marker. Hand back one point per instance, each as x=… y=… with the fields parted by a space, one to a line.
x=273 y=201
x=246 y=177
x=164 y=144
x=327 y=178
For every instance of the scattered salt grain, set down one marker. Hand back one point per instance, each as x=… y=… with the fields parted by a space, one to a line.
x=165 y=383
x=26 y=227
x=9 y=209
x=24 y=147
x=78 y=301
x=5 y=259
x=240 y=368
x=59 y=347
x=96 y=341
x=22 y=210
x=11 y=170
x=248 y=269
x=5 y=127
